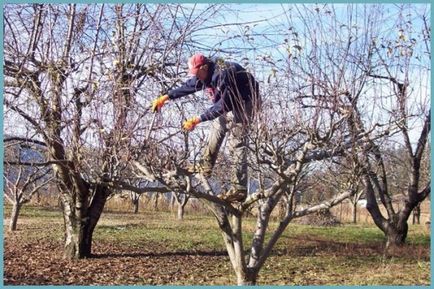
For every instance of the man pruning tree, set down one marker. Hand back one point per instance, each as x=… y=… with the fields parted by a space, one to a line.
x=235 y=96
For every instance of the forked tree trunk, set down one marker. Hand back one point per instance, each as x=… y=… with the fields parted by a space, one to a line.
x=242 y=272
x=182 y=202
x=80 y=224
x=396 y=234
x=246 y=278
x=245 y=275
x=16 y=207
x=232 y=237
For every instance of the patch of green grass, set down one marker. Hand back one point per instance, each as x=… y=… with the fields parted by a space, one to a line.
x=351 y=233
x=418 y=235
x=189 y=234
x=339 y=270
x=32 y=211
x=346 y=233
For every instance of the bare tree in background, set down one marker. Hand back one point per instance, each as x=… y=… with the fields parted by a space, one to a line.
x=409 y=120
x=25 y=174
x=335 y=177
x=350 y=173
x=379 y=81
x=181 y=201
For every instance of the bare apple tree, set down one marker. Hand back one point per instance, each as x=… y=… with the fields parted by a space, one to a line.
x=288 y=140
x=321 y=104
x=398 y=70
x=72 y=73
x=378 y=79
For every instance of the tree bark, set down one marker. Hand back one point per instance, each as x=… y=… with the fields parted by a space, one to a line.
x=71 y=229
x=79 y=230
x=14 y=216
x=416 y=215
x=246 y=278
x=136 y=205
x=262 y=220
x=354 y=213
x=181 y=210
x=94 y=213
x=156 y=202
x=396 y=234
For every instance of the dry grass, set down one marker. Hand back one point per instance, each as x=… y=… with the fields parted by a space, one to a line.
x=343 y=212
x=153 y=248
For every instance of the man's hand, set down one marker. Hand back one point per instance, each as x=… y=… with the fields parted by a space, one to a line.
x=158 y=103
x=191 y=123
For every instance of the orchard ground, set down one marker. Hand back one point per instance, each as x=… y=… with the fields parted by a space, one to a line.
x=154 y=248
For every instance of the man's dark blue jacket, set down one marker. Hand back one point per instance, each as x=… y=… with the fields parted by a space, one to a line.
x=230 y=86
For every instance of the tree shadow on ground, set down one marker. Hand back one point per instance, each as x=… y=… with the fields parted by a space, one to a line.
x=159 y=254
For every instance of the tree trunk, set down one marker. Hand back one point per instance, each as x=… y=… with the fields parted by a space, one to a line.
x=14 y=216
x=79 y=231
x=136 y=205
x=72 y=231
x=181 y=211
x=172 y=201
x=354 y=213
x=38 y=197
x=396 y=234
x=94 y=213
x=156 y=201
x=416 y=215
x=246 y=278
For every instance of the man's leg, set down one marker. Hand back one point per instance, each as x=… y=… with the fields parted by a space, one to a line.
x=238 y=153
x=218 y=129
x=215 y=139
x=238 y=142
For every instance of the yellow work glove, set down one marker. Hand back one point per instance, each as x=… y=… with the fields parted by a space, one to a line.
x=158 y=103
x=191 y=123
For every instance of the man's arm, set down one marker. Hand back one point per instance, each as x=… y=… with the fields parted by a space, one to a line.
x=222 y=106
x=214 y=111
x=192 y=85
